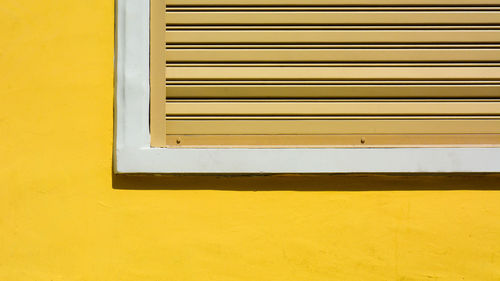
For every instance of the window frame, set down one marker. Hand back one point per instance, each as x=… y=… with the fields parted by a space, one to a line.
x=133 y=153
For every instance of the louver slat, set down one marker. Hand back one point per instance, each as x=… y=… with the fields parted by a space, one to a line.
x=185 y=126
x=330 y=108
x=332 y=73
x=329 y=2
x=330 y=18
x=202 y=55
x=325 y=72
x=231 y=91
x=331 y=36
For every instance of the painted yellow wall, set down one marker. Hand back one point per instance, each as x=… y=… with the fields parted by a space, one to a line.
x=61 y=219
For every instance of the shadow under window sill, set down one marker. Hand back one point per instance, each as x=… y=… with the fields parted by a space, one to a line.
x=293 y=182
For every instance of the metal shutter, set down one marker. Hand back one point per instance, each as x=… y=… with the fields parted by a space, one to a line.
x=325 y=72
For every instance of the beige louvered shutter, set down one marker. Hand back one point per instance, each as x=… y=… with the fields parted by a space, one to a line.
x=325 y=72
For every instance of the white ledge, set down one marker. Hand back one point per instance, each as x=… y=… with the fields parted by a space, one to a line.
x=350 y=160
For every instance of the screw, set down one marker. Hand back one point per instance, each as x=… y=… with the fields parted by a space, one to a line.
x=178 y=141
x=363 y=140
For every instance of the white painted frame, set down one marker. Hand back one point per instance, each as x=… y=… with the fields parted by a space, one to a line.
x=133 y=153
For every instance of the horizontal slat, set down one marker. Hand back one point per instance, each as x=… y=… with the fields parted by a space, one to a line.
x=343 y=100
x=330 y=18
x=333 y=46
x=338 y=82
x=239 y=108
x=332 y=140
x=330 y=55
x=332 y=8
x=246 y=127
x=329 y=27
x=330 y=117
x=336 y=64
x=328 y=2
x=333 y=36
x=330 y=91
x=332 y=73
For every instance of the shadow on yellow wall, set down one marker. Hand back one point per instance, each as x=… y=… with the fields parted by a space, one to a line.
x=357 y=182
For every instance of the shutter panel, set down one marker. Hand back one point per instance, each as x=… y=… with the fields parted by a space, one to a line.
x=325 y=72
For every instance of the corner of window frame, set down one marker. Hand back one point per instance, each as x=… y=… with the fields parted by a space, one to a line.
x=133 y=153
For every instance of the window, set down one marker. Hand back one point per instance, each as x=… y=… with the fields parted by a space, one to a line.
x=307 y=86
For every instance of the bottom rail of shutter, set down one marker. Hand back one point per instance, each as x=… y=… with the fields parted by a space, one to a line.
x=357 y=140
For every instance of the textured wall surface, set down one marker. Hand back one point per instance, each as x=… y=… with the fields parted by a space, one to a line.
x=61 y=219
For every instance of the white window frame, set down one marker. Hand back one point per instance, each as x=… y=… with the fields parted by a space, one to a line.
x=133 y=153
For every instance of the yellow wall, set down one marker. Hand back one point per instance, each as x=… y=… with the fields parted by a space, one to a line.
x=61 y=219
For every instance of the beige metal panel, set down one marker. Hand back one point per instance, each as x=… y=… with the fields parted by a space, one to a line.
x=331 y=18
x=331 y=8
x=333 y=126
x=328 y=2
x=308 y=108
x=157 y=73
x=334 y=117
x=333 y=36
x=336 y=64
x=333 y=82
x=330 y=91
x=326 y=55
x=331 y=49
x=410 y=140
x=333 y=46
x=328 y=27
x=332 y=73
